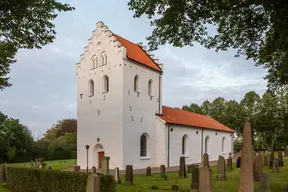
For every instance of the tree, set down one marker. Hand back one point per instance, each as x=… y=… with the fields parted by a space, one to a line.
x=25 y=24
x=11 y=153
x=257 y=29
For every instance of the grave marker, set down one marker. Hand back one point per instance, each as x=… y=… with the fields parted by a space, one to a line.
x=221 y=169
x=129 y=174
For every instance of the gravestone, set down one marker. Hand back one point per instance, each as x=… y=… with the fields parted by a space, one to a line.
x=105 y=165
x=2 y=173
x=93 y=183
x=43 y=165
x=94 y=169
x=206 y=160
x=182 y=168
x=117 y=176
x=238 y=162
x=280 y=159
x=165 y=177
x=286 y=151
x=271 y=159
x=154 y=187
x=195 y=178
x=258 y=168
x=264 y=185
x=246 y=169
x=49 y=167
x=129 y=174
x=221 y=169
x=162 y=170
x=205 y=179
x=265 y=160
x=32 y=164
x=275 y=168
x=76 y=168
x=148 y=171
x=229 y=163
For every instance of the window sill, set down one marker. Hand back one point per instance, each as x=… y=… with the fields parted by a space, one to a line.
x=90 y=95
x=144 y=158
x=105 y=92
x=186 y=156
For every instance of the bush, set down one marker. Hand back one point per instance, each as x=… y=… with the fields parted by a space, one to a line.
x=107 y=183
x=43 y=180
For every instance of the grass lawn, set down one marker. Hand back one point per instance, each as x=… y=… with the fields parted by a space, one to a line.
x=143 y=183
x=56 y=165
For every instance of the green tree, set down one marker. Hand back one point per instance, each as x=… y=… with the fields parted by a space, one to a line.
x=11 y=153
x=206 y=108
x=218 y=109
x=256 y=29
x=25 y=24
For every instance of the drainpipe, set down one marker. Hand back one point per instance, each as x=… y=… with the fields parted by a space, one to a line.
x=168 y=146
x=202 y=145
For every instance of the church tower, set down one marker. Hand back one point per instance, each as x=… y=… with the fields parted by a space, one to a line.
x=119 y=87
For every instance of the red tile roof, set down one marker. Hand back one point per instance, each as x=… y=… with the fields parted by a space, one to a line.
x=136 y=53
x=181 y=117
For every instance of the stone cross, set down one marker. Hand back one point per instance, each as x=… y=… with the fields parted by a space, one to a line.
x=206 y=160
x=105 y=165
x=258 y=168
x=93 y=183
x=32 y=164
x=275 y=166
x=162 y=170
x=280 y=159
x=238 y=162
x=129 y=174
x=195 y=178
x=265 y=160
x=246 y=169
x=94 y=169
x=148 y=171
x=221 y=169
x=182 y=166
x=117 y=175
x=205 y=179
x=264 y=185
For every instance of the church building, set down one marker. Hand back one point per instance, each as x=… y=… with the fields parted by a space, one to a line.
x=120 y=112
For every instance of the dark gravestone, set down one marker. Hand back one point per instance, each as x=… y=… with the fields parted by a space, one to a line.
x=221 y=169
x=162 y=170
x=238 y=162
x=2 y=173
x=154 y=187
x=94 y=169
x=129 y=174
x=165 y=177
x=182 y=171
x=49 y=167
x=195 y=178
x=148 y=171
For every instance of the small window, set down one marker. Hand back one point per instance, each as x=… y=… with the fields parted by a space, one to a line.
x=223 y=144
x=207 y=149
x=95 y=63
x=136 y=83
x=184 y=144
x=91 y=88
x=104 y=58
x=143 y=145
x=105 y=84
x=150 y=87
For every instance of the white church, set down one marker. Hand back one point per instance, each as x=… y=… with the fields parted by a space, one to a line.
x=120 y=111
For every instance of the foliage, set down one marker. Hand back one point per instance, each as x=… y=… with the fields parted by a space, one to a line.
x=11 y=153
x=107 y=183
x=25 y=24
x=256 y=29
x=35 y=180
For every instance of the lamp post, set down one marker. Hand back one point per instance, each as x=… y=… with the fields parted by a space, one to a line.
x=87 y=148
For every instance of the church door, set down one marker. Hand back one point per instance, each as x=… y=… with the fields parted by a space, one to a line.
x=100 y=155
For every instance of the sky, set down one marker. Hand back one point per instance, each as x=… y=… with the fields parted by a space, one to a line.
x=44 y=81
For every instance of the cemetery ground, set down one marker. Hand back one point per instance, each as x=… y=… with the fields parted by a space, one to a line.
x=142 y=183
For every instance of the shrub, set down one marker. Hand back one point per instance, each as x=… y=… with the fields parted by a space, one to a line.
x=107 y=183
x=36 y=180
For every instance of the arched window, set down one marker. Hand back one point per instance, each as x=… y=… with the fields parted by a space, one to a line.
x=136 y=83
x=95 y=63
x=92 y=63
x=150 y=87
x=223 y=144
x=207 y=145
x=104 y=58
x=184 y=145
x=91 y=88
x=105 y=84
x=143 y=145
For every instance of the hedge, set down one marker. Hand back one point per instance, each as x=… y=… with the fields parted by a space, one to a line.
x=44 y=180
